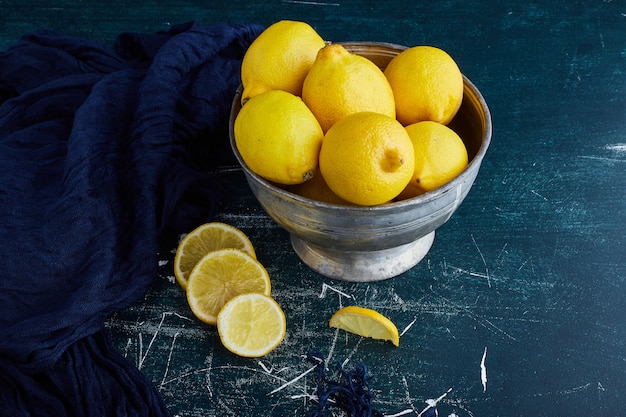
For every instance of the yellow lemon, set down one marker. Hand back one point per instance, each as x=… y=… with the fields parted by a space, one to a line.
x=365 y=322
x=317 y=189
x=251 y=325
x=341 y=83
x=279 y=58
x=440 y=155
x=278 y=137
x=221 y=275
x=204 y=239
x=367 y=158
x=427 y=85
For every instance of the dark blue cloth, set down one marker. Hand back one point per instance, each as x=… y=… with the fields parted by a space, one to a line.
x=103 y=152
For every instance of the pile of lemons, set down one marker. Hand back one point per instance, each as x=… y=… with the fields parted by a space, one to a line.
x=330 y=125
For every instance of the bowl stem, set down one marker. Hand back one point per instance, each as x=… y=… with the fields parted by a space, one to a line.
x=362 y=266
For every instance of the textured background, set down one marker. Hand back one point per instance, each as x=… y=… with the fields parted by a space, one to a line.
x=530 y=270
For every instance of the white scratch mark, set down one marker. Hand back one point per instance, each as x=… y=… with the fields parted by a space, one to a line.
x=186 y=374
x=128 y=343
x=352 y=352
x=296 y=379
x=433 y=403
x=143 y=355
x=270 y=371
x=501 y=257
x=401 y=413
x=523 y=264
x=450 y=333
x=499 y=329
x=169 y=359
x=538 y=195
x=397 y=299
x=311 y=397
x=154 y=336
x=140 y=355
x=601 y=389
x=332 y=346
x=476 y=318
x=483 y=370
x=408 y=394
x=603 y=159
x=408 y=326
x=265 y=368
x=326 y=287
x=180 y=316
x=566 y=391
x=576 y=389
x=465 y=271
x=484 y=262
x=209 y=384
x=618 y=148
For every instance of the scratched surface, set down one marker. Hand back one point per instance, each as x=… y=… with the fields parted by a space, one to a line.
x=519 y=309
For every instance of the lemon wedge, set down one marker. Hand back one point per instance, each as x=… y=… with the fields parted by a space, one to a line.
x=365 y=322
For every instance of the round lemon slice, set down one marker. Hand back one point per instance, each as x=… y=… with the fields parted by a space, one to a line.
x=221 y=275
x=251 y=325
x=204 y=239
x=365 y=322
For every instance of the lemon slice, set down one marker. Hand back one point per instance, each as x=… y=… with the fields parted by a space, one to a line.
x=219 y=276
x=365 y=322
x=204 y=239
x=251 y=325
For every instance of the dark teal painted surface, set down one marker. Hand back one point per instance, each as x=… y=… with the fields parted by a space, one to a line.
x=531 y=268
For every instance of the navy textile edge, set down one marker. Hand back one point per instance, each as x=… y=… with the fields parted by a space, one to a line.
x=98 y=161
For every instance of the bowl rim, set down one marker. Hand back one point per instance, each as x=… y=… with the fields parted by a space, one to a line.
x=389 y=206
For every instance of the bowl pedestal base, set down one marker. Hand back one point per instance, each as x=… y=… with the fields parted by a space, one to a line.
x=363 y=266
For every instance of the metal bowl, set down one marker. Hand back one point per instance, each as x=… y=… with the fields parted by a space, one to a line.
x=357 y=243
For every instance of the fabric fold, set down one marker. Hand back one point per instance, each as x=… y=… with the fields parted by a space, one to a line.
x=103 y=152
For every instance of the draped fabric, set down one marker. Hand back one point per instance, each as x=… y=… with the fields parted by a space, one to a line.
x=103 y=152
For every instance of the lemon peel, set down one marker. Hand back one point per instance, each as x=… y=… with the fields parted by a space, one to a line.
x=427 y=84
x=279 y=58
x=278 y=137
x=365 y=322
x=367 y=158
x=204 y=239
x=251 y=325
x=341 y=83
x=221 y=275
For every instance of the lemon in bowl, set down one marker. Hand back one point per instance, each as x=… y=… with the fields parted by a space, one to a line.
x=373 y=242
x=279 y=137
x=367 y=158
